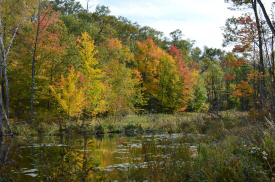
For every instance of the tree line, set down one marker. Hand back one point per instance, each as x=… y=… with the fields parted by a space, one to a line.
x=60 y=61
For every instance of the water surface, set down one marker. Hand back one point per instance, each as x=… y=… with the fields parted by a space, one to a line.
x=75 y=158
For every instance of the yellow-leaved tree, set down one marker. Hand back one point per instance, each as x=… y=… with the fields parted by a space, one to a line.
x=92 y=75
x=69 y=92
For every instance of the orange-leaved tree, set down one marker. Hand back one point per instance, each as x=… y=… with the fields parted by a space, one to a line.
x=162 y=82
x=187 y=76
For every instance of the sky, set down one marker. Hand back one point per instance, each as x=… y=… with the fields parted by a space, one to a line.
x=199 y=20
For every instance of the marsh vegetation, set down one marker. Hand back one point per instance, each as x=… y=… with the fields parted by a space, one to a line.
x=154 y=147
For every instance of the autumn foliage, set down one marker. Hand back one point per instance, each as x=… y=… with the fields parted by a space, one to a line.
x=70 y=93
x=94 y=64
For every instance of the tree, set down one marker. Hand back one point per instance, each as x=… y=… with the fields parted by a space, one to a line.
x=254 y=6
x=123 y=94
x=105 y=24
x=92 y=74
x=67 y=6
x=49 y=40
x=214 y=78
x=176 y=37
x=188 y=77
x=255 y=35
x=12 y=15
x=185 y=46
x=34 y=56
x=236 y=70
x=147 y=32
x=70 y=93
x=127 y=31
x=166 y=88
x=199 y=96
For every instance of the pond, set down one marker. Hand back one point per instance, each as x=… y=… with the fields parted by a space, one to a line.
x=82 y=157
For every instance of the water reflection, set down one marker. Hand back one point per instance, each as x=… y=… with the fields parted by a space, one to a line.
x=4 y=151
x=80 y=158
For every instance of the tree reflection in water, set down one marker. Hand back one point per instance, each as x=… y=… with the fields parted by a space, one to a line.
x=70 y=159
x=5 y=144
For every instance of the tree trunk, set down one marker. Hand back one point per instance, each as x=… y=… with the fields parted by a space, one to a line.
x=261 y=64
x=267 y=17
x=1 y=110
x=273 y=74
x=272 y=61
x=4 y=152
x=33 y=61
x=4 y=56
x=5 y=118
x=5 y=53
x=1 y=105
x=6 y=83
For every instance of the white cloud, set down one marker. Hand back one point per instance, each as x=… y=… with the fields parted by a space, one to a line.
x=131 y=10
x=199 y=20
x=204 y=33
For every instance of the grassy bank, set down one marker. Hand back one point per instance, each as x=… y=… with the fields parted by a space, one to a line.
x=197 y=123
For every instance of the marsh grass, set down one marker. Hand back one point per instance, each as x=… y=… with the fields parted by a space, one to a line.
x=210 y=149
x=227 y=160
x=196 y=123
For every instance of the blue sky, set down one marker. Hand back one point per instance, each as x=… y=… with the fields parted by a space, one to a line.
x=199 y=20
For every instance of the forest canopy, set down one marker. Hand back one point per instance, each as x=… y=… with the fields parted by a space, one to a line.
x=60 y=61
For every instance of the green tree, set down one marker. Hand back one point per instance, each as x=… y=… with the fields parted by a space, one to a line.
x=67 y=6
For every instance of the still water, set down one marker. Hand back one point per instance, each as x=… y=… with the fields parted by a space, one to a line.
x=78 y=158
